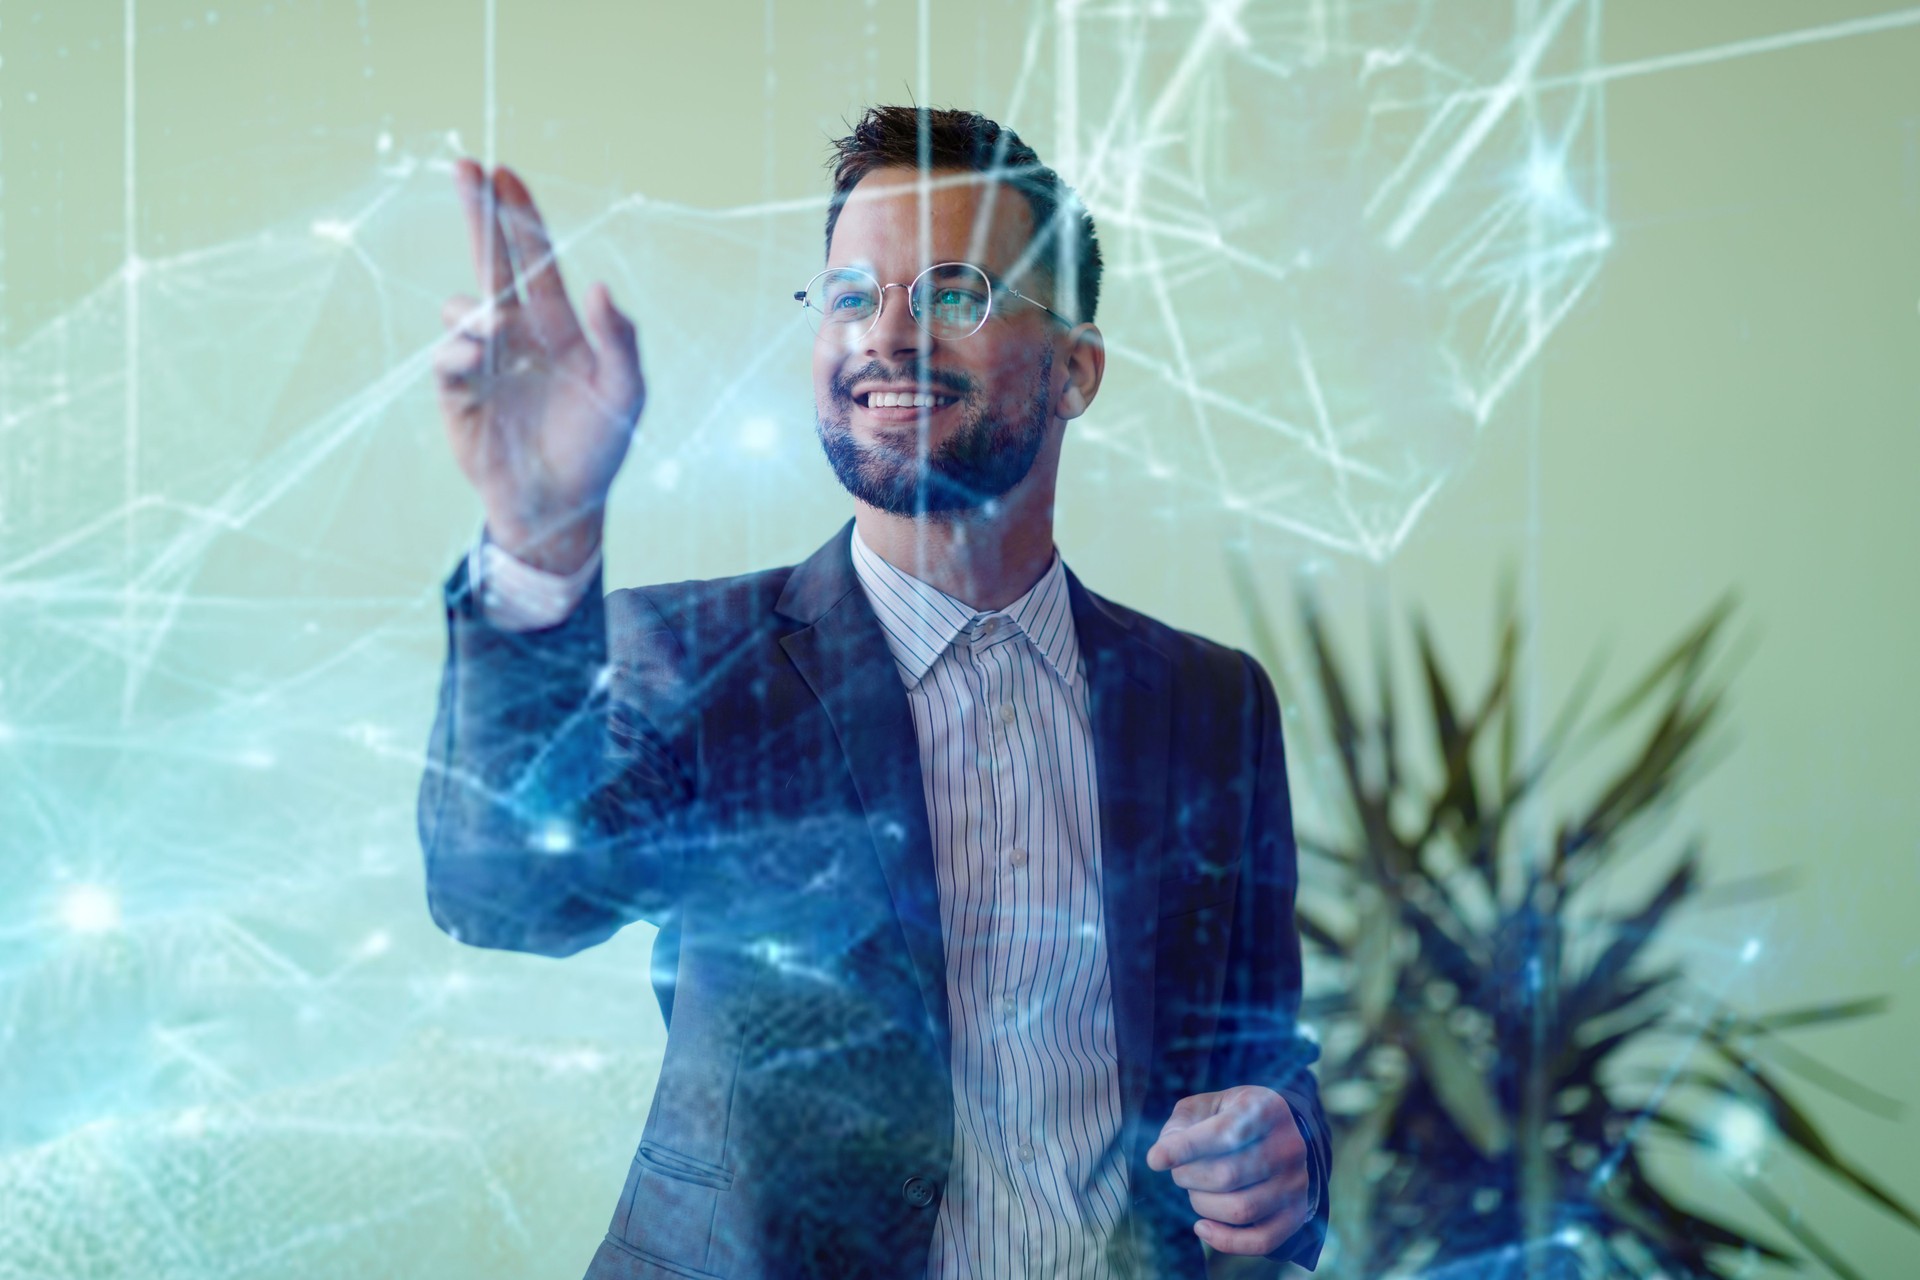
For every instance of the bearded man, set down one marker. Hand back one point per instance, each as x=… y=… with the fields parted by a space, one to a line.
x=975 y=889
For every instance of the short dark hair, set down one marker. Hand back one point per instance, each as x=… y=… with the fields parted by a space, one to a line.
x=1064 y=244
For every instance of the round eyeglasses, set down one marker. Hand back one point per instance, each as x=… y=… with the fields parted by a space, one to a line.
x=949 y=300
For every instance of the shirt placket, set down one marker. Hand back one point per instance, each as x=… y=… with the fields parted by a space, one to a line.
x=1011 y=972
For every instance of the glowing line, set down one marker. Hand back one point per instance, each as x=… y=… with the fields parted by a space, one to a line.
x=1499 y=99
x=488 y=90
x=1066 y=102
x=1029 y=56
x=1747 y=48
x=923 y=55
x=1879 y=22
x=130 y=338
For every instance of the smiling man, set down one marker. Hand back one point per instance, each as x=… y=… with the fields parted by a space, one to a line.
x=975 y=889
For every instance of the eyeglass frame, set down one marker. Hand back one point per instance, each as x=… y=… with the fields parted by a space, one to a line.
x=994 y=287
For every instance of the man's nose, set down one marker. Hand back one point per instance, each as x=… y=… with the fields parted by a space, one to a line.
x=894 y=333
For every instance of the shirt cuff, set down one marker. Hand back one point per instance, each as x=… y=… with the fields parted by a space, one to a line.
x=515 y=596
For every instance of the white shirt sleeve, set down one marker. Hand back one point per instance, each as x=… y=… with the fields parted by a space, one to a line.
x=515 y=596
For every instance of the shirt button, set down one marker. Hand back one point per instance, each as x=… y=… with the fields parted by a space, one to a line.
x=917 y=1191
x=1025 y=1152
x=988 y=627
x=1008 y=1004
x=1007 y=712
x=1018 y=857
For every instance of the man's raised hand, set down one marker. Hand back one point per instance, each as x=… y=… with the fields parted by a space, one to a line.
x=539 y=416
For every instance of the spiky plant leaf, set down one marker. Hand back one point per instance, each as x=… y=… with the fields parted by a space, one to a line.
x=1498 y=1023
x=1793 y=1124
x=1460 y=1084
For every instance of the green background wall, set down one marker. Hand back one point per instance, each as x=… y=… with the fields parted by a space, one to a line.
x=231 y=1042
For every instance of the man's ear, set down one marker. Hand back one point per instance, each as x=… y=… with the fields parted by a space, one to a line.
x=1086 y=363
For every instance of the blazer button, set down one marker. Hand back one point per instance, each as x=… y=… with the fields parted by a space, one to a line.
x=917 y=1191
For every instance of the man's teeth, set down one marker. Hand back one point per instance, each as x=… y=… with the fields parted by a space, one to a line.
x=905 y=400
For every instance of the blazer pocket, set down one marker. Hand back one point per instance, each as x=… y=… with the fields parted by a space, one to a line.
x=670 y=1163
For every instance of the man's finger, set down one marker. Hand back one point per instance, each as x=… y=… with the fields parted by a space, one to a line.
x=1256 y=1239
x=492 y=264
x=539 y=271
x=465 y=314
x=457 y=310
x=618 y=360
x=1242 y=1118
x=1187 y=1112
x=1242 y=1168
x=456 y=364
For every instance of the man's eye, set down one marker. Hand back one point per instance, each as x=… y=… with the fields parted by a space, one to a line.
x=851 y=301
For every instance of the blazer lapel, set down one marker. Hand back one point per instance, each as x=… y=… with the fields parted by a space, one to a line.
x=842 y=654
x=1130 y=691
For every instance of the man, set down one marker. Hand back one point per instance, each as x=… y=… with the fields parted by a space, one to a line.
x=975 y=889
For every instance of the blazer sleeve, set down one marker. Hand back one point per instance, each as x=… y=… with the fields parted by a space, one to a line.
x=556 y=794
x=1259 y=1040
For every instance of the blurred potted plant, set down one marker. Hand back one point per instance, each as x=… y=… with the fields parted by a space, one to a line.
x=1501 y=1048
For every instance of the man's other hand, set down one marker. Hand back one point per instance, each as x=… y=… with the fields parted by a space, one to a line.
x=1241 y=1158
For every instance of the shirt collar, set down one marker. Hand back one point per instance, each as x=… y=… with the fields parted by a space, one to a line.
x=921 y=621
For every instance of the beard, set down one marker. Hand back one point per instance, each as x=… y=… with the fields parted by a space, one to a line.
x=984 y=458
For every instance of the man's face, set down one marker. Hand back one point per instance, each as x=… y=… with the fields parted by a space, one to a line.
x=995 y=387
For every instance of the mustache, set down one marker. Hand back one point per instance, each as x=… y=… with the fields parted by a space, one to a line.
x=874 y=371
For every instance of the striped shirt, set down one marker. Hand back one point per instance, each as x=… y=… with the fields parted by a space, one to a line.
x=999 y=701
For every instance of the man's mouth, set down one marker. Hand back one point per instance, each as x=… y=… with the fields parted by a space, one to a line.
x=903 y=406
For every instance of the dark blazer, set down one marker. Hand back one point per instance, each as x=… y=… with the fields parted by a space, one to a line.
x=734 y=760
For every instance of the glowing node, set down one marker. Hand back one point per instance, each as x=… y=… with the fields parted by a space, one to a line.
x=90 y=908
x=383 y=143
x=256 y=758
x=1751 y=951
x=1547 y=179
x=554 y=836
x=376 y=943
x=775 y=952
x=584 y=1060
x=759 y=435
x=1741 y=1133
x=666 y=474
x=334 y=229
